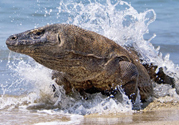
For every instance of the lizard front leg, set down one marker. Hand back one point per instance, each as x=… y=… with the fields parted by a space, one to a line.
x=129 y=78
x=124 y=73
x=79 y=87
x=61 y=80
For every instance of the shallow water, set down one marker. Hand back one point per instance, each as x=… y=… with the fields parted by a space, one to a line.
x=26 y=87
x=51 y=118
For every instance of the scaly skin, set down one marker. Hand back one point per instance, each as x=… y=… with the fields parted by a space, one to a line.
x=84 y=60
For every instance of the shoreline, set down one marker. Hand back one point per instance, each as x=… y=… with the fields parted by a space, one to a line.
x=162 y=111
x=156 y=113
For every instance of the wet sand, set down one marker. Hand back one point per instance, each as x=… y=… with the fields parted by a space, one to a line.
x=159 y=117
x=156 y=113
x=164 y=117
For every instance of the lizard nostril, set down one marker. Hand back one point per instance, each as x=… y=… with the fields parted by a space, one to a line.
x=13 y=37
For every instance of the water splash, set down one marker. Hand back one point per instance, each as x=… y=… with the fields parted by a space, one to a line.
x=115 y=19
x=119 y=21
x=41 y=95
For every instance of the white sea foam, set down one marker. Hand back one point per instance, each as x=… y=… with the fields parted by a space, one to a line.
x=74 y=120
x=118 y=21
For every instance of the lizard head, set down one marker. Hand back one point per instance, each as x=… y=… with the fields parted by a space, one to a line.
x=34 y=41
x=59 y=44
x=50 y=45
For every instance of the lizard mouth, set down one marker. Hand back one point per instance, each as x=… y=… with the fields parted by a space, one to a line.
x=14 y=41
x=22 y=46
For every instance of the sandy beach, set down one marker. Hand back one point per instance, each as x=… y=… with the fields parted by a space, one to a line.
x=156 y=113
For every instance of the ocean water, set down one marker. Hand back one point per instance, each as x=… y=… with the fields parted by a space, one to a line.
x=26 y=95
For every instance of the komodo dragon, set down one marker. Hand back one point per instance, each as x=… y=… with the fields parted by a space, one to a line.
x=84 y=60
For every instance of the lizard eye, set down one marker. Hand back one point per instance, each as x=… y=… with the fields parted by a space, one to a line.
x=38 y=33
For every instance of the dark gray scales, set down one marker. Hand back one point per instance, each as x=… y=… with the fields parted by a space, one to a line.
x=84 y=60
